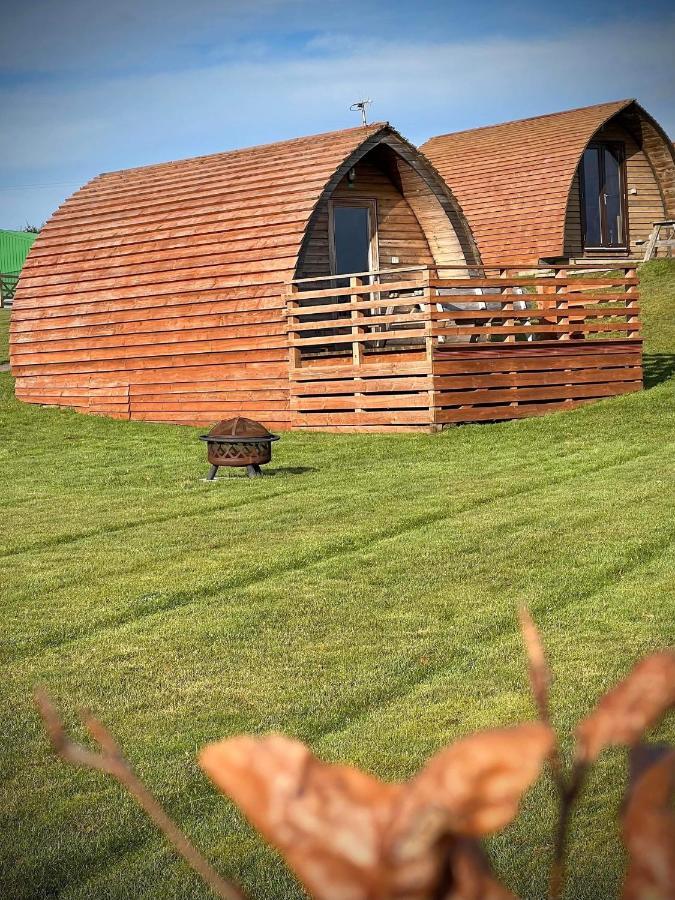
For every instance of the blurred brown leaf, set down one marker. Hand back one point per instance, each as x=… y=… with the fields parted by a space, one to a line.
x=649 y=825
x=629 y=709
x=480 y=779
x=347 y=834
x=328 y=821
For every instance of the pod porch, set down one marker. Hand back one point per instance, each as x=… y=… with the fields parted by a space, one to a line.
x=401 y=351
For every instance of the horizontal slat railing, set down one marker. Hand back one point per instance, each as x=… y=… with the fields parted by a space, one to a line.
x=569 y=302
x=548 y=337
x=345 y=342
x=357 y=313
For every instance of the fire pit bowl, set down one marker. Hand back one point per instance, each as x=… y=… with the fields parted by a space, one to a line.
x=239 y=442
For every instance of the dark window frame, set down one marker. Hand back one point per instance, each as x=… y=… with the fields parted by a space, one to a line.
x=618 y=147
x=369 y=203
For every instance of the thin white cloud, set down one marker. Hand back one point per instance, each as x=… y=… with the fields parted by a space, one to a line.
x=72 y=36
x=422 y=88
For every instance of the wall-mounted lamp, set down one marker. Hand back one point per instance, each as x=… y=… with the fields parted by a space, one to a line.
x=351 y=177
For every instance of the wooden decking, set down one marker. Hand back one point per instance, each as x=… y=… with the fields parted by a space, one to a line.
x=421 y=349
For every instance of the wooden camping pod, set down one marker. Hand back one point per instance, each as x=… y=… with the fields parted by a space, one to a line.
x=519 y=182
x=158 y=293
x=205 y=289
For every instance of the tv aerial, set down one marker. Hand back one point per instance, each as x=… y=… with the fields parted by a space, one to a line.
x=362 y=107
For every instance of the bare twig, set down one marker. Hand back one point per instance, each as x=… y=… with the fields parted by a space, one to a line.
x=540 y=673
x=569 y=793
x=540 y=681
x=111 y=761
x=568 y=789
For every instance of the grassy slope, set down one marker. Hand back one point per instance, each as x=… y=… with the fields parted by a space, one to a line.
x=365 y=605
x=4 y=336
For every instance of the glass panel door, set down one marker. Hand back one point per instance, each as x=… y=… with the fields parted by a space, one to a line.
x=613 y=196
x=591 y=181
x=352 y=238
x=602 y=194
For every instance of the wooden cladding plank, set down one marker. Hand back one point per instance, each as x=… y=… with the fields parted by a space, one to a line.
x=256 y=170
x=103 y=248
x=382 y=336
x=241 y=298
x=222 y=408
x=362 y=385
x=450 y=383
x=145 y=349
x=329 y=370
x=187 y=266
x=189 y=378
x=369 y=322
x=91 y=339
x=121 y=325
x=537 y=362
x=388 y=401
x=575 y=281
x=503 y=413
x=353 y=290
x=574 y=327
x=524 y=393
x=202 y=277
x=375 y=417
x=224 y=286
x=380 y=428
x=134 y=363
x=483 y=315
x=411 y=300
x=358 y=306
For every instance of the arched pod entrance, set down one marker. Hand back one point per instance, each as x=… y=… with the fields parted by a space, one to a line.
x=623 y=184
x=360 y=312
x=414 y=219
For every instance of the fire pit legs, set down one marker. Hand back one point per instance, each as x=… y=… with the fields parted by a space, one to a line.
x=254 y=471
x=212 y=473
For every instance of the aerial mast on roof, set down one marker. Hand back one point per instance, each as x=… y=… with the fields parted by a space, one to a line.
x=362 y=105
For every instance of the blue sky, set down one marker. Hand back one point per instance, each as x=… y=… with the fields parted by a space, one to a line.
x=87 y=87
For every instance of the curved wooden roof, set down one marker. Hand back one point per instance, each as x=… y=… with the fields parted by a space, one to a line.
x=214 y=221
x=513 y=180
x=174 y=273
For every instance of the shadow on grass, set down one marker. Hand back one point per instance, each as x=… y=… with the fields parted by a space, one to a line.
x=227 y=474
x=658 y=367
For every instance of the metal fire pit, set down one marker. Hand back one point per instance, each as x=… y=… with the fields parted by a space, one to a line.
x=239 y=442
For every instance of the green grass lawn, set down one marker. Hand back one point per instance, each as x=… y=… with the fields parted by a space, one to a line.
x=362 y=598
x=4 y=336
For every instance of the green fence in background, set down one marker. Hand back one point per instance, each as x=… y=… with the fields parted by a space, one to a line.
x=14 y=247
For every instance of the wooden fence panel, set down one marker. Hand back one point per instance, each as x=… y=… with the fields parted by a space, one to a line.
x=490 y=344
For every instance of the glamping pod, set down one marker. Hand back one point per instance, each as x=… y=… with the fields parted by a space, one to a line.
x=159 y=293
x=324 y=283
x=583 y=184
